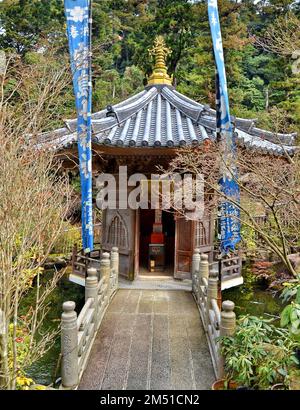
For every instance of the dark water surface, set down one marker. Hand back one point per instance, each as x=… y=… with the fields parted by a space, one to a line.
x=251 y=298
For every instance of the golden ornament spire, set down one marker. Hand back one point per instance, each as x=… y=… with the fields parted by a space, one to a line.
x=160 y=74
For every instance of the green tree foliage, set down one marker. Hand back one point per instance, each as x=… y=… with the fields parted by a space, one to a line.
x=25 y=22
x=124 y=30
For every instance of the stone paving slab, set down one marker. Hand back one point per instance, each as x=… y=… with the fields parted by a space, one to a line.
x=154 y=283
x=150 y=339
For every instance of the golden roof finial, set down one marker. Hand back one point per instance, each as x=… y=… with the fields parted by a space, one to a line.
x=160 y=51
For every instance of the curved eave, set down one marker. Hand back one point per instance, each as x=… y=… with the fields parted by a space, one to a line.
x=161 y=117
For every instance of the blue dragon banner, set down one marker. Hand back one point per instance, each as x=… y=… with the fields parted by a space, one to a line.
x=230 y=213
x=78 y=16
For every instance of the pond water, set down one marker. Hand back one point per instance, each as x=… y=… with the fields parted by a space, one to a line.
x=47 y=369
x=252 y=298
x=249 y=298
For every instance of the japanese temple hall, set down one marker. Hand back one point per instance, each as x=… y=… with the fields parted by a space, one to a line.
x=143 y=132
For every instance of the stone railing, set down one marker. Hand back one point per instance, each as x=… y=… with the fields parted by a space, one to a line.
x=205 y=282
x=80 y=262
x=231 y=271
x=78 y=332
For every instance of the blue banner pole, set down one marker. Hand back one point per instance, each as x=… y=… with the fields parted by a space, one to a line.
x=229 y=213
x=79 y=22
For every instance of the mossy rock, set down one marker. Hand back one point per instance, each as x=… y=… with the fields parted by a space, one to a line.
x=56 y=261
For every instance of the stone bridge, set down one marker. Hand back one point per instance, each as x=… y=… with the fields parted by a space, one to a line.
x=150 y=339
x=141 y=338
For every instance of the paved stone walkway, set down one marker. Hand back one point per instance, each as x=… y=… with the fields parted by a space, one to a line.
x=150 y=339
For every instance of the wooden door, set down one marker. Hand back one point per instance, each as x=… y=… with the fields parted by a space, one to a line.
x=119 y=229
x=137 y=243
x=184 y=240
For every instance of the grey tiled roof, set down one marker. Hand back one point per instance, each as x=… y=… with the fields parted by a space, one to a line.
x=160 y=116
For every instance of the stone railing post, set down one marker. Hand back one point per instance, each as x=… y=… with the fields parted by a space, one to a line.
x=195 y=271
x=228 y=319
x=91 y=289
x=227 y=328
x=105 y=268
x=212 y=288
x=69 y=346
x=203 y=267
x=114 y=264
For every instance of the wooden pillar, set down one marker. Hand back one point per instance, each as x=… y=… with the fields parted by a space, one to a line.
x=74 y=256
x=195 y=270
